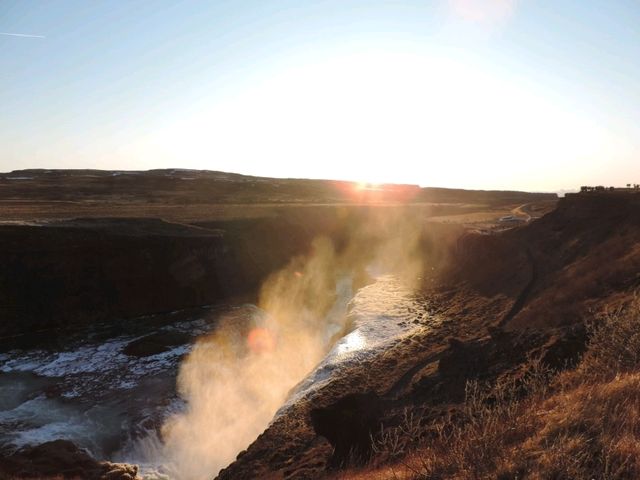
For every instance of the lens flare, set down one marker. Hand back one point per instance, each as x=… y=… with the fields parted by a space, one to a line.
x=261 y=340
x=484 y=11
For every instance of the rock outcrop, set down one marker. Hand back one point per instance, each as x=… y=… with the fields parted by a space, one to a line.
x=61 y=459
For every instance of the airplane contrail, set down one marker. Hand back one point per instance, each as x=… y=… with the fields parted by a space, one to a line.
x=22 y=35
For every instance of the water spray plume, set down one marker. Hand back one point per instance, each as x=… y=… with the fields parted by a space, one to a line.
x=235 y=379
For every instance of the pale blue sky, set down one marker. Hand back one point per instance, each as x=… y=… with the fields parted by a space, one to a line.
x=535 y=95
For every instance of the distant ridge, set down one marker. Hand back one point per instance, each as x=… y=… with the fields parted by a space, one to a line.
x=175 y=185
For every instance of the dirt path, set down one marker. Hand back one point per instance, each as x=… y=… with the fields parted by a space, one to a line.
x=523 y=212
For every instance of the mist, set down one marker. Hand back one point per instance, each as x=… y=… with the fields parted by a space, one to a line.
x=235 y=379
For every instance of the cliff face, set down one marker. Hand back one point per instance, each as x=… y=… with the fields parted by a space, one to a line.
x=586 y=255
x=83 y=272
x=80 y=272
x=552 y=272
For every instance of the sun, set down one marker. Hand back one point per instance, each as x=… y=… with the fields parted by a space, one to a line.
x=361 y=186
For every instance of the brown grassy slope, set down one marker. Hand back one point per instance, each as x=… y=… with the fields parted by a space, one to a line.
x=585 y=253
x=582 y=423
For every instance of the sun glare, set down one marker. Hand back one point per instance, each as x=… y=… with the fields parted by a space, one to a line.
x=397 y=117
x=367 y=186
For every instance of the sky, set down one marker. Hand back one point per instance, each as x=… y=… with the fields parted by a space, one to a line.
x=536 y=95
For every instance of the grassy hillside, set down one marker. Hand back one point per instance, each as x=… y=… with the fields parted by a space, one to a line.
x=195 y=195
x=581 y=423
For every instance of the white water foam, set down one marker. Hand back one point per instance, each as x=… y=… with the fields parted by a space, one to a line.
x=381 y=313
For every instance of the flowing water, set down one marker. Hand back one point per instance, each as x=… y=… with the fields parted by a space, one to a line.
x=93 y=391
x=89 y=391
x=379 y=315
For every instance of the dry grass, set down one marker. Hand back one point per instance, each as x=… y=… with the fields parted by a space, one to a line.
x=614 y=345
x=580 y=424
